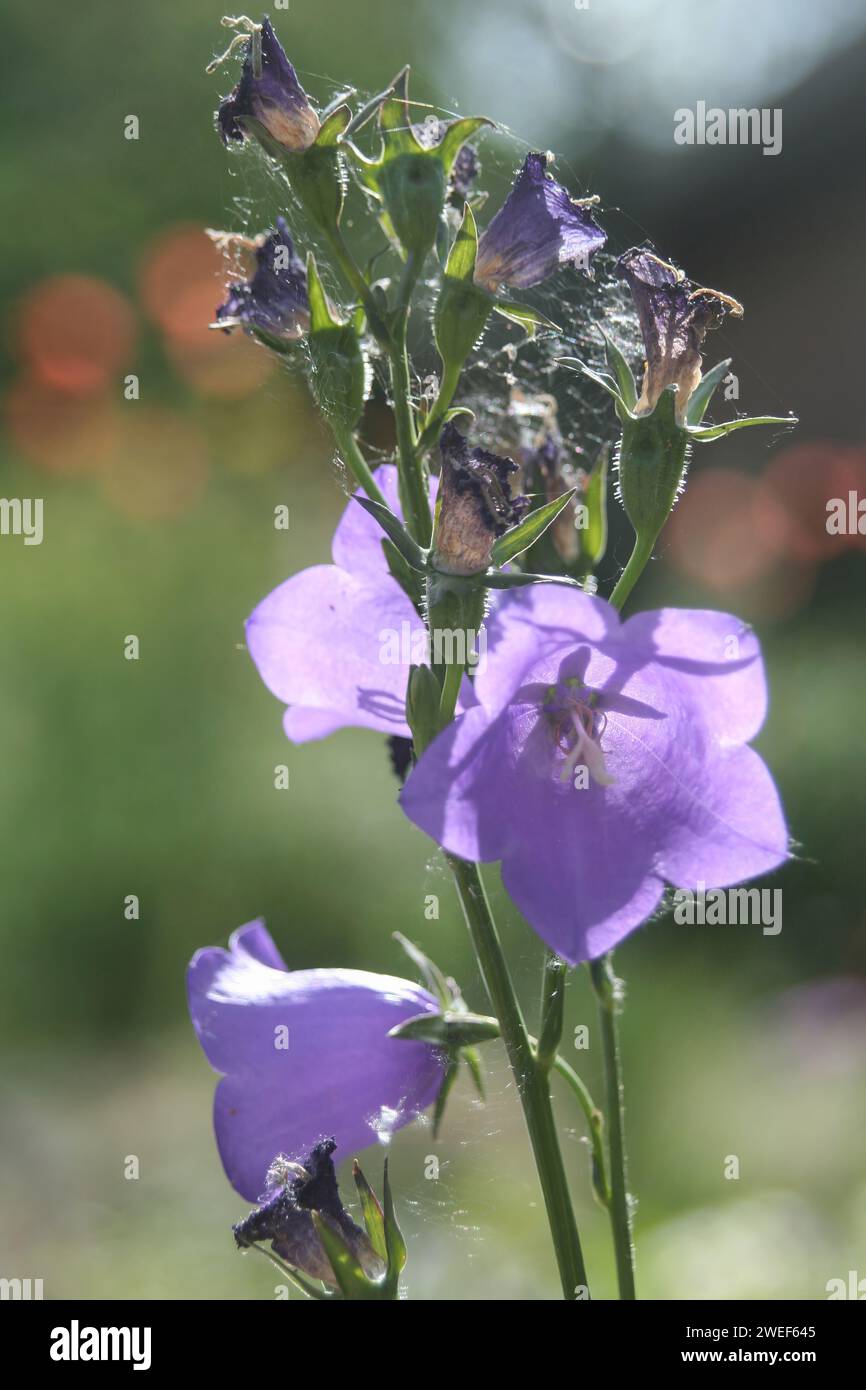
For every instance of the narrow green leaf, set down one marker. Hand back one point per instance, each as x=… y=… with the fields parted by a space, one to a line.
x=574 y=364
x=527 y=532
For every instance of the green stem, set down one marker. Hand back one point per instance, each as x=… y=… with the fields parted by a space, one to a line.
x=354 y=277
x=531 y=1080
x=595 y=1124
x=413 y=484
x=355 y=461
x=552 y=1009
x=607 y=989
x=638 y=561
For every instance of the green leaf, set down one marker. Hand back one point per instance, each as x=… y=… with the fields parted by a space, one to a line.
x=410 y=550
x=703 y=392
x=530 y=320
x=449 y=1030
x=621 y=370
x=593 y=538
x=709 y=432
x=374 y=1219
x=522 y=536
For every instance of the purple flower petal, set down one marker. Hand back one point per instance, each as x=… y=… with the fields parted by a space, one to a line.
x=335 y=642
x=538 y=229
x=604 y=760
x=340 y=1075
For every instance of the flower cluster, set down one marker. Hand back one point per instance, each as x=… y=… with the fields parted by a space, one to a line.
x=598 y=759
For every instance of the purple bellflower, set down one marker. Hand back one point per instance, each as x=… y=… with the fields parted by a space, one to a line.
x=273 y=96
x=274 y=301
x=604 y=760
x=335 y=642
x=285 y=1216
x=674 y=317
x=304 y=1055
x=538 y=229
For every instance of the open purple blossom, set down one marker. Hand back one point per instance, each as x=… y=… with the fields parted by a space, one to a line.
x=604 y=760
x=335 y=642
x=675 y=317
x=274 y=301
x=538 y=229
x=476 y=504
x=274 y=97
x=304 y=1055
x=284 y=1218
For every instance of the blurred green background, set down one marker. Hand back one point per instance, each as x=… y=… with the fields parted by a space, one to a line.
x=155 y=777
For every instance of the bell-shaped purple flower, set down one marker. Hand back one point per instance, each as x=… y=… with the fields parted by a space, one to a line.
x=304 y=1055
x=675 y=317
x=604 y=760
x=538 y=229
x=273 y=96
x=335 y=642
x=274 y=301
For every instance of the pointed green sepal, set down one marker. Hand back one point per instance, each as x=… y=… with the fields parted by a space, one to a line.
x=334 y=126
x=396 y=532
x=374 y=1217
x=395 y=1245
x=527 y=318
x=516 y=579
x=462 y=308
x=354 y=1284
x=621 y=371
x=427 y=968
x=448 y=1030
x=602 y=379
x=709 y=432
x=512 y=543
x=451 y=1072
x=700 y=398
x=593 y=536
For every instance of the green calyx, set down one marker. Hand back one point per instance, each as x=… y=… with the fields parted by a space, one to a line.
x=410 y=178
x=339 y=375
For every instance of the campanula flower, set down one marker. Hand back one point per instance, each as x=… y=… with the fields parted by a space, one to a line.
x=476 y=504
x=538 y=229
x=335 y=642
x=270 y=93
x=675 y=317
x=274 y=301
x=304 y=1055
x=295 y=1190
x=604 y=760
